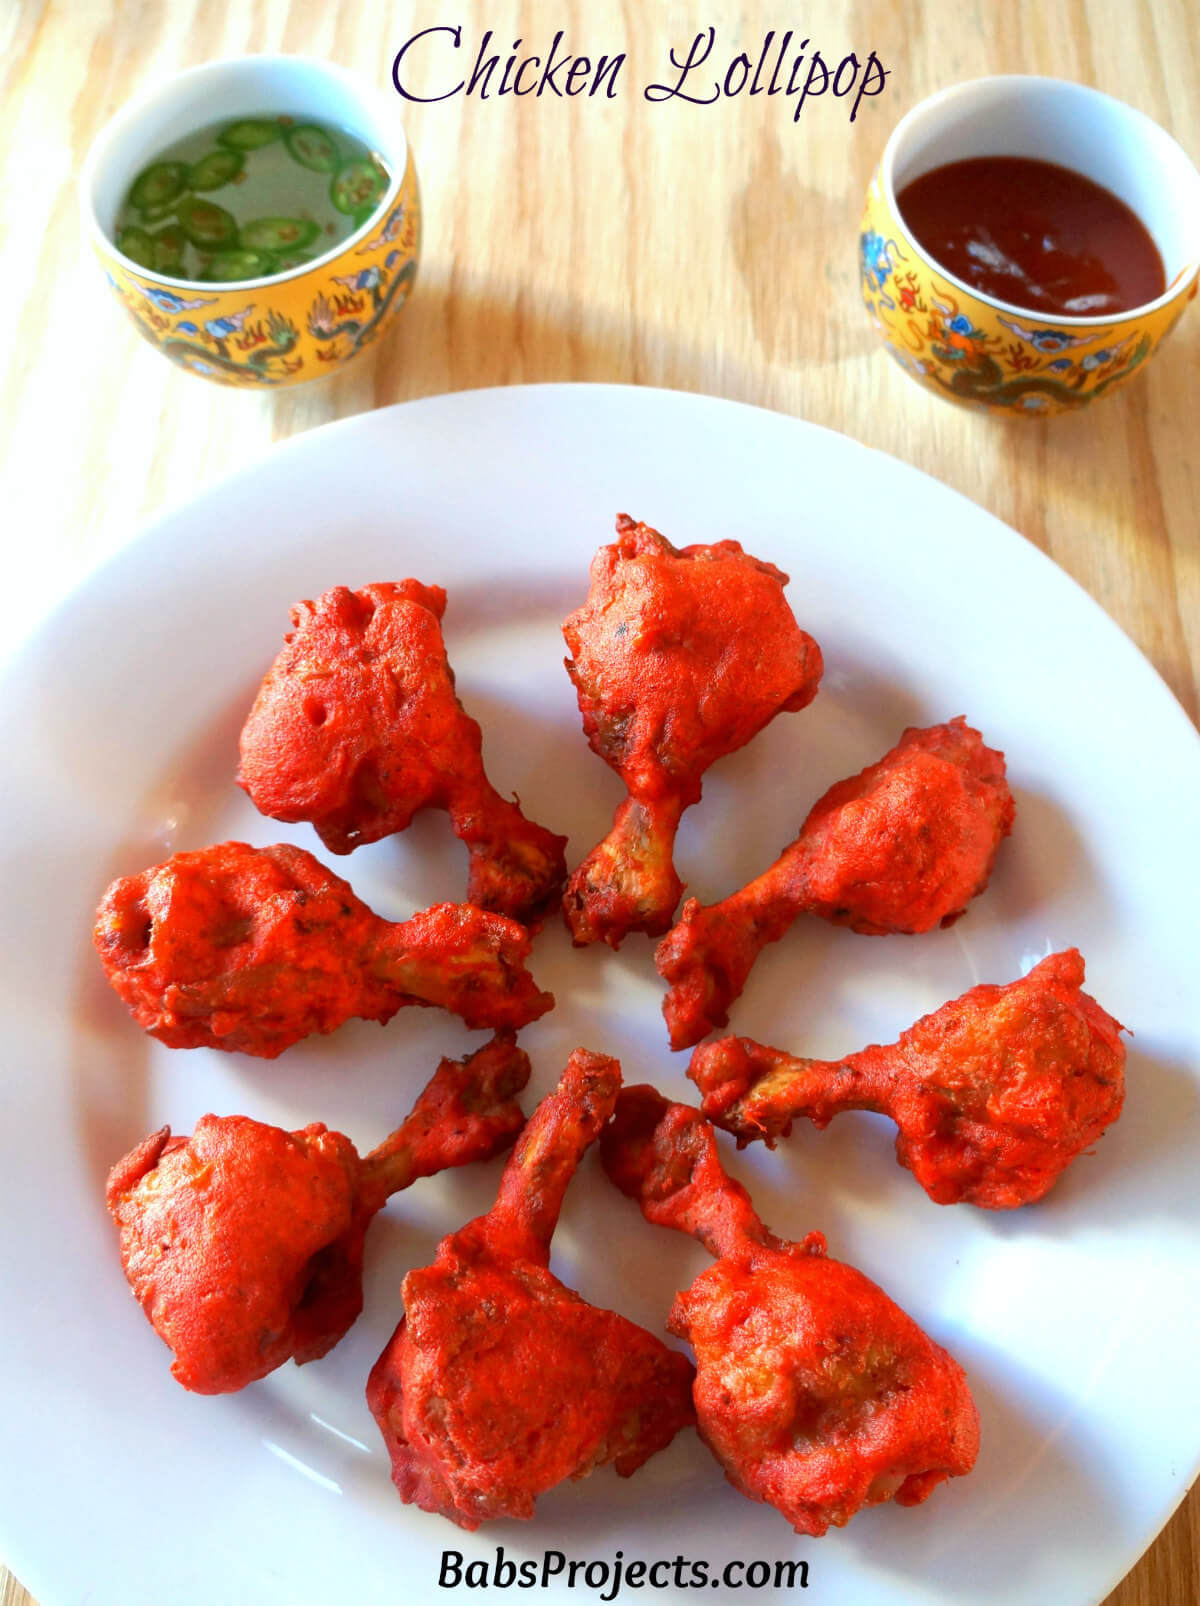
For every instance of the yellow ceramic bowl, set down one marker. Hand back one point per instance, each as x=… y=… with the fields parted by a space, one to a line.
x=984 y=352
x=293 y=327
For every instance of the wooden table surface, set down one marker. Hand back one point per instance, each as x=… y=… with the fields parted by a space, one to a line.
x=706 y=248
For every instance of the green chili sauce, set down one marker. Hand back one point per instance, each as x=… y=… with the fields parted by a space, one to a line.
x=249 y=198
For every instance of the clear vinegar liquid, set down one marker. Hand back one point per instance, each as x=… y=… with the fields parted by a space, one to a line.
x=248 y=198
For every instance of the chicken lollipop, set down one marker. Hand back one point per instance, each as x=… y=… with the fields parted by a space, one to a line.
x=500 y=1382
x=251 y=949
x=994 y=1094
x=357 y=727
x=902 y=847
x=244 y=1243
x=678 y=657
x=815 y=1392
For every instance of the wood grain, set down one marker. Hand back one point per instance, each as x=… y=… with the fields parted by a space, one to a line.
x=707 y=248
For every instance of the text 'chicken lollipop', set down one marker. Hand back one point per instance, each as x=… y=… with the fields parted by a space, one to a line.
x=678 y=657
x=244 y=1243
x=500 y=1382
x=816 y=1393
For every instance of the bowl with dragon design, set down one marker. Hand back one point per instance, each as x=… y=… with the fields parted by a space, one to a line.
x=239 y=313
x=982 y=349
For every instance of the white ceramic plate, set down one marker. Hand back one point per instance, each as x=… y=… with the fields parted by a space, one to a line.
x=1076 y=1320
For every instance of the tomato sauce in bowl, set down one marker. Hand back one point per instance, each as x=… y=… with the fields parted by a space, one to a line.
x=1033 y=234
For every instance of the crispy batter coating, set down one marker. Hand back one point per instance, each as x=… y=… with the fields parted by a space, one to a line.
x=357 y=727
x=994 y=1094
x=251 y=949
x=500 y=1382
x=901 y=847
x=816 y=1393
x=678 y=657
x=243 y=1244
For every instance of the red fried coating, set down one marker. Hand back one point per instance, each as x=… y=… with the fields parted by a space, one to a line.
x=357 y=727
x=244 y=1243
x=994 y=1094
x=251 y=949
x=816 y=1393
x=678 y=657
x=500 y=1382
x=901 y=847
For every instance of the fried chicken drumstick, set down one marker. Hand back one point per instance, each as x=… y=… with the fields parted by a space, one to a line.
x=357 y=727
x=678 y=657
x=251 y=949
x=816 y=1393
x=901 y=847
x=244 y=1243
x=500 y=1382
x=994 y=1094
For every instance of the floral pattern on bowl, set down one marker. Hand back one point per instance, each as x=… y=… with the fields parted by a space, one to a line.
x=286 y=330
x=974 y=352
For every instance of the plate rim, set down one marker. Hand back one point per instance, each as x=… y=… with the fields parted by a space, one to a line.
x=103 y=573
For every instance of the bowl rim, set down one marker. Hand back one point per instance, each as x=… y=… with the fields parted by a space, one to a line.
x=1174 y=290
x=162 y=88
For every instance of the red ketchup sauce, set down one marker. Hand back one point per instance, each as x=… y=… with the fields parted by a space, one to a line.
x=1037 y=235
